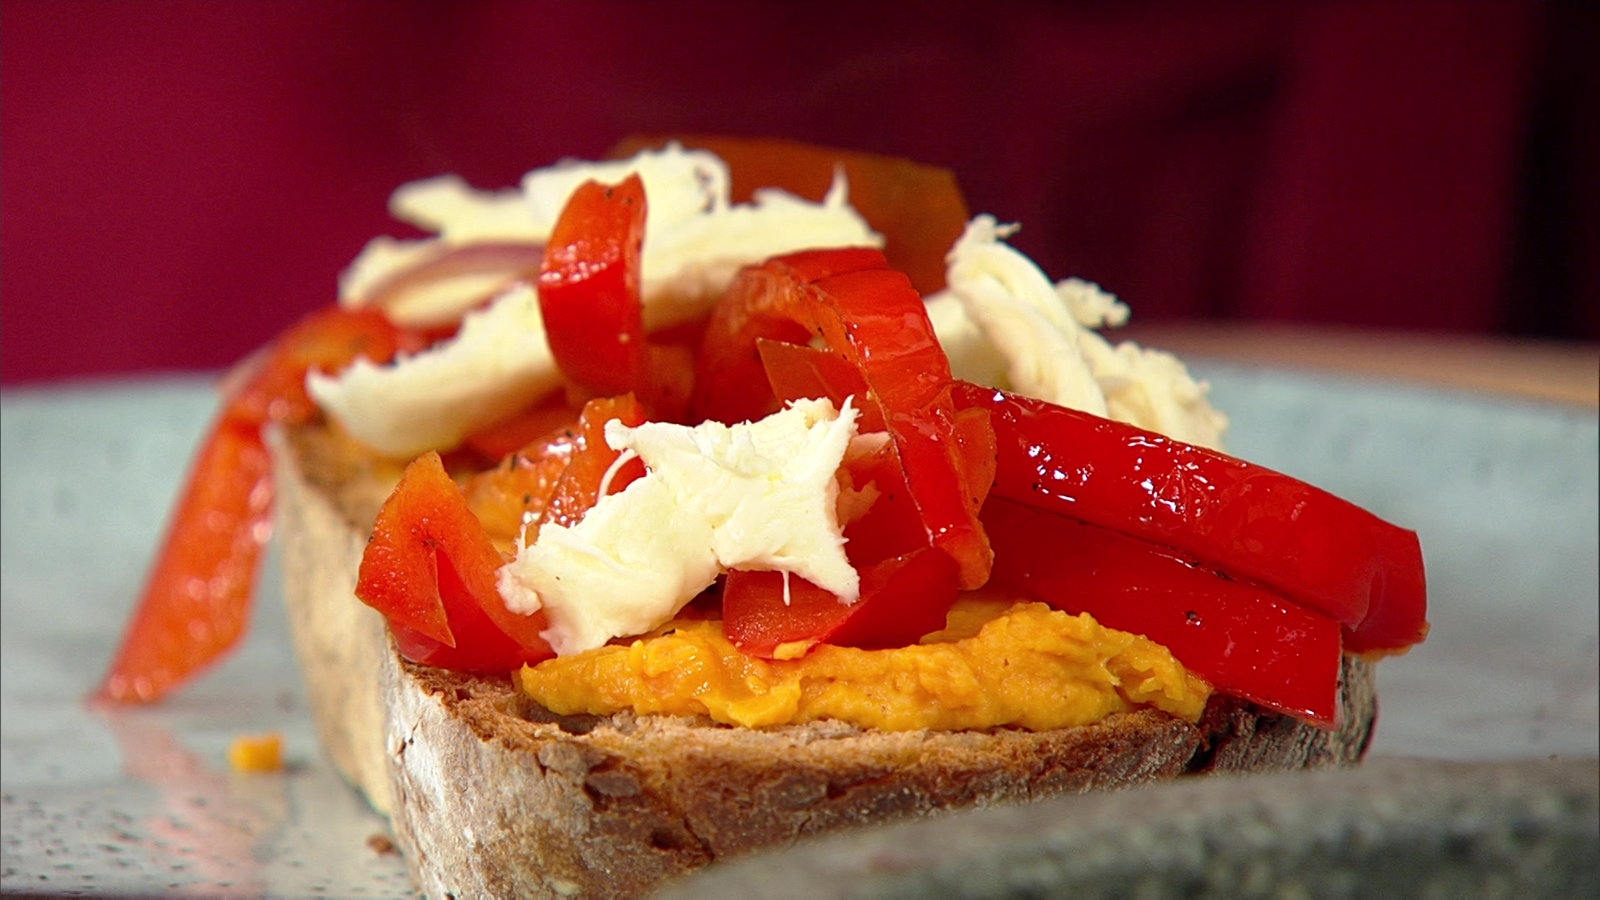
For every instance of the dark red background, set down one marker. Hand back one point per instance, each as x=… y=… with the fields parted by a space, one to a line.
x=181 y=179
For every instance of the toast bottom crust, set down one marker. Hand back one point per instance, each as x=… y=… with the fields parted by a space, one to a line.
x=495 y=796
x=491 y=795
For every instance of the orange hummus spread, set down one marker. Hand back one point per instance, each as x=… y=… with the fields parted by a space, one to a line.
x=996 y=664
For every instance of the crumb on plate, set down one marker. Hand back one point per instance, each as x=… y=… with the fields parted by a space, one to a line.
x=257 y=753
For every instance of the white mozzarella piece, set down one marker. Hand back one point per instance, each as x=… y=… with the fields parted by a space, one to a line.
x=1018 y=310
x=497 y=364
x=460 y=214
x=1005 y=325
x=758 y=495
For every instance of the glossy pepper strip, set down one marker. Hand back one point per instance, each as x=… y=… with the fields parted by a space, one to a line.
x=1318 y=550
x=196 y=602
x=590 y=302
x=585 y=479
x=589 y=287
x=430 y=568
x=1242 y=638
x=869 y=315
x=902 y=599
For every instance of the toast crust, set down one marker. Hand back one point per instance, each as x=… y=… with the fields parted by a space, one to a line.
x=610 y=807
x=324 y=512
x=491 y=795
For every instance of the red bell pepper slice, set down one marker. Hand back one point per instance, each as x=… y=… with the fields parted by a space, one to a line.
x=795 y=370
x=902 y=599
x=496 y=441
x=1316 y=549
x=1243 y=639
x=196 y=601
x=589 y=300
x=510 y=498
x=589 y=287
x=891 y=525
x=870 y=315
x=1398 y=618
x=430 y=568
x=582 y=484
x=768 y=304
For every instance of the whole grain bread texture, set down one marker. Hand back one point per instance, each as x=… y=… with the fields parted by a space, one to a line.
x=490 y=795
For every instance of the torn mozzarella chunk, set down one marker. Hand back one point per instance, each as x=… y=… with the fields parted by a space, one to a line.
x=1004 y=324
x=497 y=364
x=460 y=214
x=1090 y=306
x=972 y=356
x=679 y=185
x=1018 y=310
x=1153 y=389
x=687 y=267
x=758 y=495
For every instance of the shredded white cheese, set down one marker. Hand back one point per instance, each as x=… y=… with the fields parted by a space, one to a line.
x=758 y=495
x=498 y=364
x=1004 y=324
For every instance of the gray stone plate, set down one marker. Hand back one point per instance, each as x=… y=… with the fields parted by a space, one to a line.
x=143 y=802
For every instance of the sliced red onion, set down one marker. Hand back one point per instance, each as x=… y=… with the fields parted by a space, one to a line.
x=447 y=282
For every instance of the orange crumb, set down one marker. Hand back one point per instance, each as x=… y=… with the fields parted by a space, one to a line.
x=257 y=752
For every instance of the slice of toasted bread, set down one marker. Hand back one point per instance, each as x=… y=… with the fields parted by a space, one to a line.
x=491 y=795
x=325 y=504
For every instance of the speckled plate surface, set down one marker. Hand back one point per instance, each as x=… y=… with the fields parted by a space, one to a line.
x=1504 y=495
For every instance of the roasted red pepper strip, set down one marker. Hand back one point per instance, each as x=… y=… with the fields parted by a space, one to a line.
x=871 y=316
x=430 y=568
x=767 y=303
x=1316 y=549
x=589 y=299
x=493 y=443
x=795 y=371
x=580 y=486
x=902 y=599
x=1398 y=616
x=510 y=498
x=1242 y=638
x=589 y=287
x=196 y=603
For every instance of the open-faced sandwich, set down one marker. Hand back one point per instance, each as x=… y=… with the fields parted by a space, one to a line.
x=690 y=503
